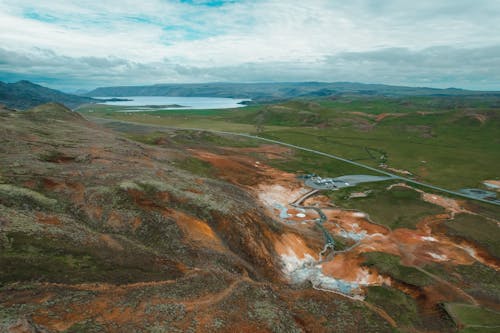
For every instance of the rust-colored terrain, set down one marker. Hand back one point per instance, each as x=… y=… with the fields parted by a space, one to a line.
x=100 y=233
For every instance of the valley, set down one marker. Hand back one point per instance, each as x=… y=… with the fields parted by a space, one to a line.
x=238 y=166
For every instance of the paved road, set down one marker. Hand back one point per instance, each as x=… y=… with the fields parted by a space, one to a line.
x=245 y=135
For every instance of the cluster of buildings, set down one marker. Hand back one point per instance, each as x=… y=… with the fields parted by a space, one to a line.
x=318 y=182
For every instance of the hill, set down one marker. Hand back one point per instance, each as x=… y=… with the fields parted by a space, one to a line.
x=184 y=230
x=117 y=236
x=277 y=91
x=25 y=94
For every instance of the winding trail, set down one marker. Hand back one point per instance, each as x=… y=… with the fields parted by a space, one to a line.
x=329 y=241
x=459 y=290
x=211 y=299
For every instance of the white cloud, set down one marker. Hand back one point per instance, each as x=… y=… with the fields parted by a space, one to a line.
x=300 y=40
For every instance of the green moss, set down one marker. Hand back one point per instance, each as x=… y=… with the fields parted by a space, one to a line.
x=477 y=229
x=14 y=195
x=389 y=264
x=88 y=326
x=55 y=156
x=129 y=185
x=471 y=315
x=396 y=208
x=397 y=304
x=196 y=166
x=35 y=257
x=303 y=162
x=479 y=330
x=273 y=316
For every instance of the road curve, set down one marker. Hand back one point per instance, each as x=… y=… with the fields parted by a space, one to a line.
x=317 y=152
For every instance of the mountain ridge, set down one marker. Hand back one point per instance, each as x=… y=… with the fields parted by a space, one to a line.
x=278 y=90
x=26 y=94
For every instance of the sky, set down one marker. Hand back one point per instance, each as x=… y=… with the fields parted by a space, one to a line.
x=68 y=44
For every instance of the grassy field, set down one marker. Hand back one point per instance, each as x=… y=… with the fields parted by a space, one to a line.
x=401 y=307
x=450 y=155
x=389 y=264
x=449 y=142
x=476 y=229
x=396 y=208
x=302 y=162
x=474 y=318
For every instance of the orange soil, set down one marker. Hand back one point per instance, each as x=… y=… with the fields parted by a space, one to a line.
x=415 y=247
x=271 y=152
x=76 y=191
x=352 y=222
x=211 y=299
x=451 y=205
x=358 y=113
x=401 y=171
x=136 y=223
x=197 y=231
x=382 y=116
x=292 y=244
x=243 y=170
x=481 y=118
x=115 y=221
x=111 y=242
x=317 y=200
x=104 y=305
x=236 y=170
x=493 y=182
x=347 y=266
x=48 y=219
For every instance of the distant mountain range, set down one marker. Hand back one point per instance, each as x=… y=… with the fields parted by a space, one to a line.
x=277 y=91
x=25 y=94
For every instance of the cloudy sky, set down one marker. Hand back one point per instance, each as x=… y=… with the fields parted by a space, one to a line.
x=70 y=44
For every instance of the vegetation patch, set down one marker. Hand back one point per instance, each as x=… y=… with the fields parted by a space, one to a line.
x=54 y=156
x=471 y=316
x=196 y=166
x=11 y=195
x=438 y=139
x=476 y=229
x=390 y=265
x=397 y=304
x=302 y=162
x=396 y=208
x=87 y=326
x=44 y=258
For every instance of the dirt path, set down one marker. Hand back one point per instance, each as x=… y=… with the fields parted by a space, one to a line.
x=457 y=289
x=208 y=300
x=381 y=313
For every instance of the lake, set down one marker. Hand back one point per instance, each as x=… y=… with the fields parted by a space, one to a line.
x=148 y=103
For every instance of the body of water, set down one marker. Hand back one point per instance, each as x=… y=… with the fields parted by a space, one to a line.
x=148 y=103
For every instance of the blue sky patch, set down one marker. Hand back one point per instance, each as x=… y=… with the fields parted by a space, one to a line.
x=34 y=15
x=208 y=3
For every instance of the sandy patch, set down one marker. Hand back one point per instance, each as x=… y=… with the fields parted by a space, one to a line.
x=276 y=194
x=271 y=152
x=111 y=242
x=347 y=267
x=197 y=231
x=492 y=184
